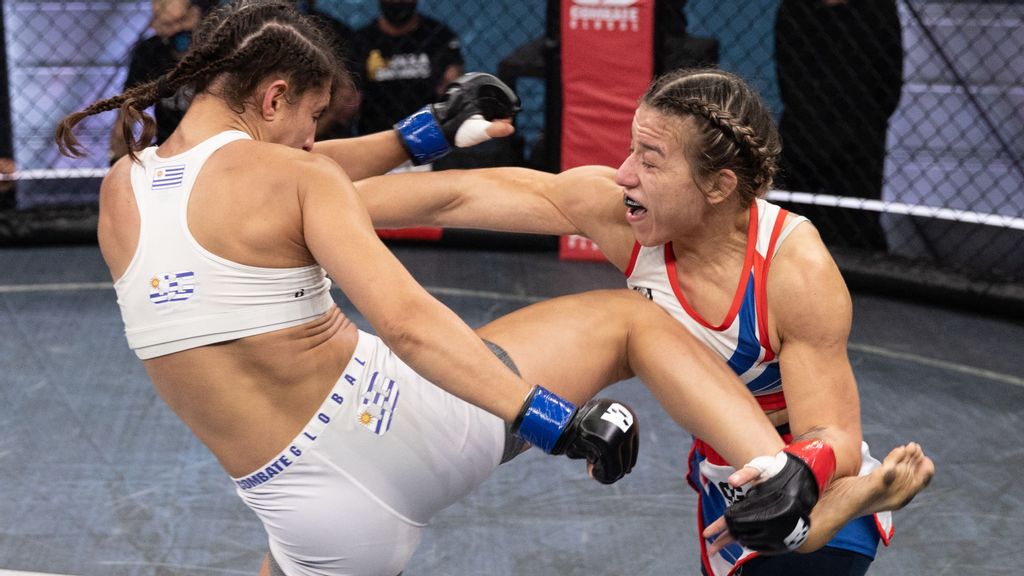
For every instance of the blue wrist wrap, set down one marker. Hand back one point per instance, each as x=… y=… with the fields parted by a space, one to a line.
x=422 y=136
x=544 y=419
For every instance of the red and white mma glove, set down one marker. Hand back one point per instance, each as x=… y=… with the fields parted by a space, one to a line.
x=775 y=515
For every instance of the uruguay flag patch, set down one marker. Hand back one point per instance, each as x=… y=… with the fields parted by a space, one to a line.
x=168 y=177
x=378 y=404
x=172 y=287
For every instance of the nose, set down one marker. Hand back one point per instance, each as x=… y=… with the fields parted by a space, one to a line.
x=308 y=144
x=625 y=176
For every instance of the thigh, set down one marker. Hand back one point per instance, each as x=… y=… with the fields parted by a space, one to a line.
x=827 y=560
x=574 y=345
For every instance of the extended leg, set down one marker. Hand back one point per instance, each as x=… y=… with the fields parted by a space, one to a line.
x=577 y=345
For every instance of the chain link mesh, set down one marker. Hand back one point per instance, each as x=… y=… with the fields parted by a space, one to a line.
x=906 y=113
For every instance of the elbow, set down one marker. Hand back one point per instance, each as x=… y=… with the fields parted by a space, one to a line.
x=847 y=448
x=409 y=328
x=401 y=334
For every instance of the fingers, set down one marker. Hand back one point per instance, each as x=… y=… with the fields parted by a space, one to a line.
x=720 y=543
x=715 y=528
x=500 y=128
x=724 y=538
x=743 y=476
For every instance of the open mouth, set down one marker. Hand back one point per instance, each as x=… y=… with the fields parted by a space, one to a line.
x=635 y=208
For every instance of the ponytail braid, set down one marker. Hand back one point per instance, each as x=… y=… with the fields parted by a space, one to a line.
x=131 y=104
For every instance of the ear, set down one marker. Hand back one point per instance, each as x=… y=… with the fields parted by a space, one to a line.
x=273 y=99
x=725 y=184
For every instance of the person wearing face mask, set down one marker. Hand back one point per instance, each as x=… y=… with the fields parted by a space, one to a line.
x=151 y=57
x=403 y=59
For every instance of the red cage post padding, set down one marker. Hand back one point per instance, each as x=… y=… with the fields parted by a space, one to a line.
x=607 y=63
x=425 y=233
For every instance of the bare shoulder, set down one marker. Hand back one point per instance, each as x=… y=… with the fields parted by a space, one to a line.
x=117 y=201
x=600 y=177
x=806 y=291
x=117 y=181
x=587 y=189
x=274 y=167
x=253 y=152
x=117 y=227
x=593 y=202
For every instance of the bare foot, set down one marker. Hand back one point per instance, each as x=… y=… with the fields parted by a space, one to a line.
x=903 y=474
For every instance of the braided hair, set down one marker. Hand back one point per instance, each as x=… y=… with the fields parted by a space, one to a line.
x=734 y=128
x=235 y=48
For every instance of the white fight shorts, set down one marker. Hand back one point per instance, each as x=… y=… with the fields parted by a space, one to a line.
x=384 y=453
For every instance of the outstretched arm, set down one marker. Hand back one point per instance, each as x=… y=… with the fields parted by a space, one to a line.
x=476 y=108
x=376 y=154
x=506 y=199
x=365 y=156
x=437 y=344
x=584 y=201
x=423 y=332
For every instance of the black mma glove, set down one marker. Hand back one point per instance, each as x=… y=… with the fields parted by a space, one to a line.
x=470 y=103
x=775 y=515
x=603 y=431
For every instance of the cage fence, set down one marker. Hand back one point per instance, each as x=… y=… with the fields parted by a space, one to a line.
x=900 y=119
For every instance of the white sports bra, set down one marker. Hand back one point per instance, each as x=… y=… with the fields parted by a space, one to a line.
x=175 y=295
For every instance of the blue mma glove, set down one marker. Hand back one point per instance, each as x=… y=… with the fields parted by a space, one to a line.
x=471 y=102
x=602 y=431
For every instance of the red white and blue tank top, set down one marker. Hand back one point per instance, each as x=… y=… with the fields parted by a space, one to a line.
x=742 y=337
x=742 y=340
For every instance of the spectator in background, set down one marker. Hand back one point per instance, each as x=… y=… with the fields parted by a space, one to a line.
x=403 y=60
x=7 y=168
x=172 y=24
x=7 y=164
x=839 y=65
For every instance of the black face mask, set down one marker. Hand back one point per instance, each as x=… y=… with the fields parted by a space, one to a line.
x=181 y=41
x=397 y=13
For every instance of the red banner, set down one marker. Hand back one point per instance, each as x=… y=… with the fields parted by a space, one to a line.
x=607 y=63
x=424 y=233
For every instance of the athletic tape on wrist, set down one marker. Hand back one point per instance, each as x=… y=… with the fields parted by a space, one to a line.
x=422 y=136
x=544 y=418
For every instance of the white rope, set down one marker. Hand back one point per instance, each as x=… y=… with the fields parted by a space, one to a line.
x=55 y=174
x=898 y=208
